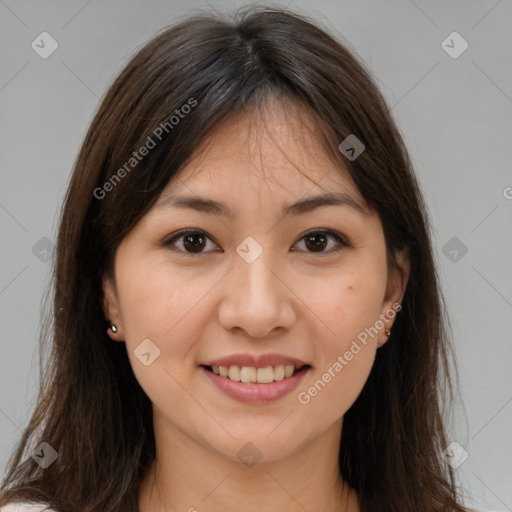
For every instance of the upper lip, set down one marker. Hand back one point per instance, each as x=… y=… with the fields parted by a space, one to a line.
x=260 y=361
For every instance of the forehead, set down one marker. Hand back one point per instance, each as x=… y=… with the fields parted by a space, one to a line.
x=275 y=151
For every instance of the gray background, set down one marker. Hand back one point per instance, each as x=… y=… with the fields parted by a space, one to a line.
x=455 y=114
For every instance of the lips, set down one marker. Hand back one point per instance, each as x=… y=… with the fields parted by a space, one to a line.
x=260 y=361
x=256 y=393
x=262 y=369
x=255 y=379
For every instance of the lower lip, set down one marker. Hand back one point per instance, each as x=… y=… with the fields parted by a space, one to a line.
x=254 y=393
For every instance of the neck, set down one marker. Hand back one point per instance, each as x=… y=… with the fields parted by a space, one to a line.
x=187 y=476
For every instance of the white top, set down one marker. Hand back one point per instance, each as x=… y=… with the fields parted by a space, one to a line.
x=40 y=507
x=26 y=507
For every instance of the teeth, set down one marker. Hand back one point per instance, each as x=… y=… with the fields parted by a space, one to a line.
x=248 y=374
x=251 y=374
x=288 y=370
x=234 y=373
x=265 y=375
x=279 y=372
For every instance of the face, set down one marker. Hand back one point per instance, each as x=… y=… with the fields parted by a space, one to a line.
x=306 y=285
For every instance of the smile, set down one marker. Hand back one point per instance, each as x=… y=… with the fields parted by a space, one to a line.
x=249 y=374
x=256 y=392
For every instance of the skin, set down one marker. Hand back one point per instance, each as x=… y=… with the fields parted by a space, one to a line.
x=291 y=300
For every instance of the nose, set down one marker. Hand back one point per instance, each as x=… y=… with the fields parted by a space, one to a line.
x=256 y=298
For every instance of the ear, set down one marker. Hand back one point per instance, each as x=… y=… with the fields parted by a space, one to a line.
x=110 y=306
x=395 y=291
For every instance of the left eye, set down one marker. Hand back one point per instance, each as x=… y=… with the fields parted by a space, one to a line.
x=193 y=241
x=318 y=240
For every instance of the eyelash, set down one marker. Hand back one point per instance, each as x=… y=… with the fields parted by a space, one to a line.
x=342 y=244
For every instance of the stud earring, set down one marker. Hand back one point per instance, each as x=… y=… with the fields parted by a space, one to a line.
x=113 y=328
x=388 y=332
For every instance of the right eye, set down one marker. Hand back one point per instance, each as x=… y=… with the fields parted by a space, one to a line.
x=189 y=241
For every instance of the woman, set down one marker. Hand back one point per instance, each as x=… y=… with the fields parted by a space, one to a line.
x=246 y=312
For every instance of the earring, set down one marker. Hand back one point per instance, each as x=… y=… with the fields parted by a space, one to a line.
x=388 y=332
x=113 y=328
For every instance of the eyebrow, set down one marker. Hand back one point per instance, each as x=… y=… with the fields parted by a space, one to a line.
x=210 y=206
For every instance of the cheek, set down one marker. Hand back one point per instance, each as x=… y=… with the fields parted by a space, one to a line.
x=165 y=308
x=158 y=303
x=346 y=308
x=346 y=362
x=349 y=307
x=336 y=387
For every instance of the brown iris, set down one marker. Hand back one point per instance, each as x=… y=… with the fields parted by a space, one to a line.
x=194 y=242
x=316 y=241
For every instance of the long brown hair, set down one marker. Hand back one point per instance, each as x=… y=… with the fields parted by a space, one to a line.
x=90 y=408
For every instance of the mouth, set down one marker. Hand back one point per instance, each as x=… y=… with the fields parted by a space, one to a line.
x=254 y=375
x=256 y=385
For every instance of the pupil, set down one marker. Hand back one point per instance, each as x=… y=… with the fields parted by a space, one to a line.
x=314 y=240
x=191 y=242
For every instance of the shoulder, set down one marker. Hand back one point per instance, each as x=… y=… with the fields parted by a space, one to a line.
x=26 y=507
